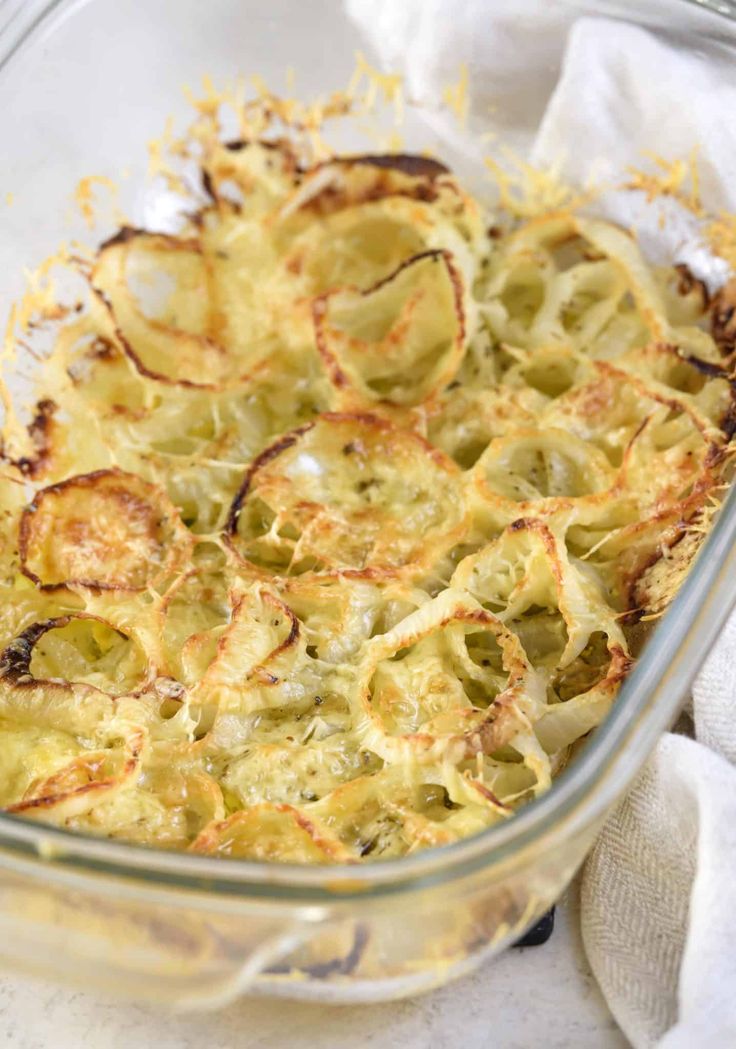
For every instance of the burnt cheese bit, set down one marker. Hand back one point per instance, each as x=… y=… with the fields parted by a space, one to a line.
x=41 y=431
x=723 y=318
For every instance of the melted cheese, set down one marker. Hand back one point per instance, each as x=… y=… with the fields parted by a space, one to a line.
x=343 y=511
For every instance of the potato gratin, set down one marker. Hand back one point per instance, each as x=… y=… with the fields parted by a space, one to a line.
x=336 y=507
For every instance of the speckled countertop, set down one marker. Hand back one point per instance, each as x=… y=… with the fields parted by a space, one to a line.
x=538 y=996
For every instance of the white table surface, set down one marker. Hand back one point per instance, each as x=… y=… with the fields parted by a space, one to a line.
x=539 y=996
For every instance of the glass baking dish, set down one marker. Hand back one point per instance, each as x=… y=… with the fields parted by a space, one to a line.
x=85 y=86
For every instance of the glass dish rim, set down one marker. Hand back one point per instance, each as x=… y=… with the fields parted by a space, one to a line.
x=579 y=796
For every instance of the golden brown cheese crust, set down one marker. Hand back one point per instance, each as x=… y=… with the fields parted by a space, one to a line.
x=340 y=507
x=105 y=530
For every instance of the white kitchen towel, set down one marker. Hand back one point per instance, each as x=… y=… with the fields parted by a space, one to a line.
x=590 y=95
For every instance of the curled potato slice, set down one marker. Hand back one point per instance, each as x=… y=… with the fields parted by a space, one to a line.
x=354 y=220
x=156 y=289
x=254 y=652
x=168 y=804
x=240 y=652
x=197 y=313
x=540 y=471
x=77 y=777
x=272 y=832
x=349 y=181
x=448 y=682
x=400 y=341
x=251 y=175
x=107 y=530
x=526 y=579
x=348 y=493
x=78 y=652
x=401 y=808
x=558 y=610
x=573 y=281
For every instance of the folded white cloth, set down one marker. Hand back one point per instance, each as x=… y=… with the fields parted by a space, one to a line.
x=590 y=94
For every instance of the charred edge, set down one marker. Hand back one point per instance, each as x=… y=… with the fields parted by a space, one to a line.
x=706 y=367
x=715 y=455
x=643 y=425
x=407 y=163
x=208 y=187
x=621 y=664
x=431 y=253
x=634 y=609
x=457 y=290
x=278 y=145
x=293 y=634
x=520 y=524
x=689 y=282
x=723 y=318
x=197 y=217
x=424 y=189
x=331 y=198
x=265 y=457
x=547 y=538
x=123 y=236
x=365 y=418
x=533 y=524
x=319 y=308
x=208 y=836
x=494 y=731
x=307 y=826
x=40 y=431
x=128 y=233
x=48 y=801
x=103 y=349
x=208 y=179
x=84 y=481
x=370 y=572
x=336 y=374
x=140 y=367
x=477 y=615
x=15 y=660
x=728 y=422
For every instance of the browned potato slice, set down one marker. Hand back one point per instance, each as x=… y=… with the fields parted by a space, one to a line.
x=272 y=832
x=74 y=650
x=449 y=680
x=107 y=530
x=157 y=290
x=400 y=341
x=347 y=494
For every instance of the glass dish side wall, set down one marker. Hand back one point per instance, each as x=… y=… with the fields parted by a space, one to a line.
x=197 y=950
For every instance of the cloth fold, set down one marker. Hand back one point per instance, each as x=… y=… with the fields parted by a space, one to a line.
x=591 y=94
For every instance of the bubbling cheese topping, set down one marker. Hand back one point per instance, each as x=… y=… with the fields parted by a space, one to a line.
x=341 y=512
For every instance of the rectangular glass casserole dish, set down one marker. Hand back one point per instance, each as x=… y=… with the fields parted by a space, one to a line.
x=86 y=85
